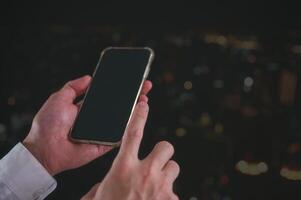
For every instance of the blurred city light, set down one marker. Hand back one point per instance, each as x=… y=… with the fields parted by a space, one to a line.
x=251 y=168
x=180 y=132
x=248 y=82
x=188 y=85
x=205 y=119
x=293 y=148
x=293 y=174
x=11 y=101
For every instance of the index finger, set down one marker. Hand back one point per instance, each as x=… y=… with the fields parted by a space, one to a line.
x=134 y=131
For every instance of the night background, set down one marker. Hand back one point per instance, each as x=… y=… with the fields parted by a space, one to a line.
x=226 y=92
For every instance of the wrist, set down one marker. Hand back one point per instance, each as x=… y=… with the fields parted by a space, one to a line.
x=34 y=150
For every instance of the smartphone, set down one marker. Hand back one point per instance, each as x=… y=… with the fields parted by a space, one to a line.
x=110 y=99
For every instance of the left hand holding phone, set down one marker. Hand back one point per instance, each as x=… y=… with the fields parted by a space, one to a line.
x=48 y=138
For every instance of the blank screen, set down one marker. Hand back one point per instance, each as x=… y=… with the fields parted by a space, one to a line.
x=111 y=96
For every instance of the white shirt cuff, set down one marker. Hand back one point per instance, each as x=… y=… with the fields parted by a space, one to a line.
x=24 y=175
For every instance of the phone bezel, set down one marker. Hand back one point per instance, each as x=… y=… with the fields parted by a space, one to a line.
x=146 y=72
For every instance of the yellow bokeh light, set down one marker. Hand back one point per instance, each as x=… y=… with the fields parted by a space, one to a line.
x=188 y=85
x=180 y=132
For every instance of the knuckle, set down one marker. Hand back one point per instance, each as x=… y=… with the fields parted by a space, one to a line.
x=148 y=178
x=142 y=113
x=53 y=95
x=68 y=90
x=67 y=84
x=123 y=164
x=134 y=133
x=150 y=170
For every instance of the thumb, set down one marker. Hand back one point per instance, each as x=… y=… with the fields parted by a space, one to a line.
x=75 y=88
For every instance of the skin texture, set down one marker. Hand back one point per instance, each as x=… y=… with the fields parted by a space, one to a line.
x=48 y=138
x=134 y=179
x=129 y=178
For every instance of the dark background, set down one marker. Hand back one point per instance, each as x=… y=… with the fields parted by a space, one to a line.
x=226 y=86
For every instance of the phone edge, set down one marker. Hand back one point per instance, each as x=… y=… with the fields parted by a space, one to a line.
x=145 y=75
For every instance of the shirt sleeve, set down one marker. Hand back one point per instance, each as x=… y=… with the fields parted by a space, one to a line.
x=22 y=177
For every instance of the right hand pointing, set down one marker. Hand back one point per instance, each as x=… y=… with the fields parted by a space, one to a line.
x=134 y=179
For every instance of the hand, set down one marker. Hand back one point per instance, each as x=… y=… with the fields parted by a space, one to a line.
x=134 y=179
x=48 y=138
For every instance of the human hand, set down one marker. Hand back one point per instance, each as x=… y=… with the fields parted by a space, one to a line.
x=134 y=179
x=48 y=138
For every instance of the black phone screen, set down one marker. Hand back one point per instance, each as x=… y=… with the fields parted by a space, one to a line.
x=110 y=98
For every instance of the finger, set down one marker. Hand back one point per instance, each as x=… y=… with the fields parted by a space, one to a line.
x=160 y=155
x=92 y=151
x=134 y=131
x=75 y=88
x=143 y=98
x=175 y=197
x=171 y=171
x=147 y=86
x=91 y=193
